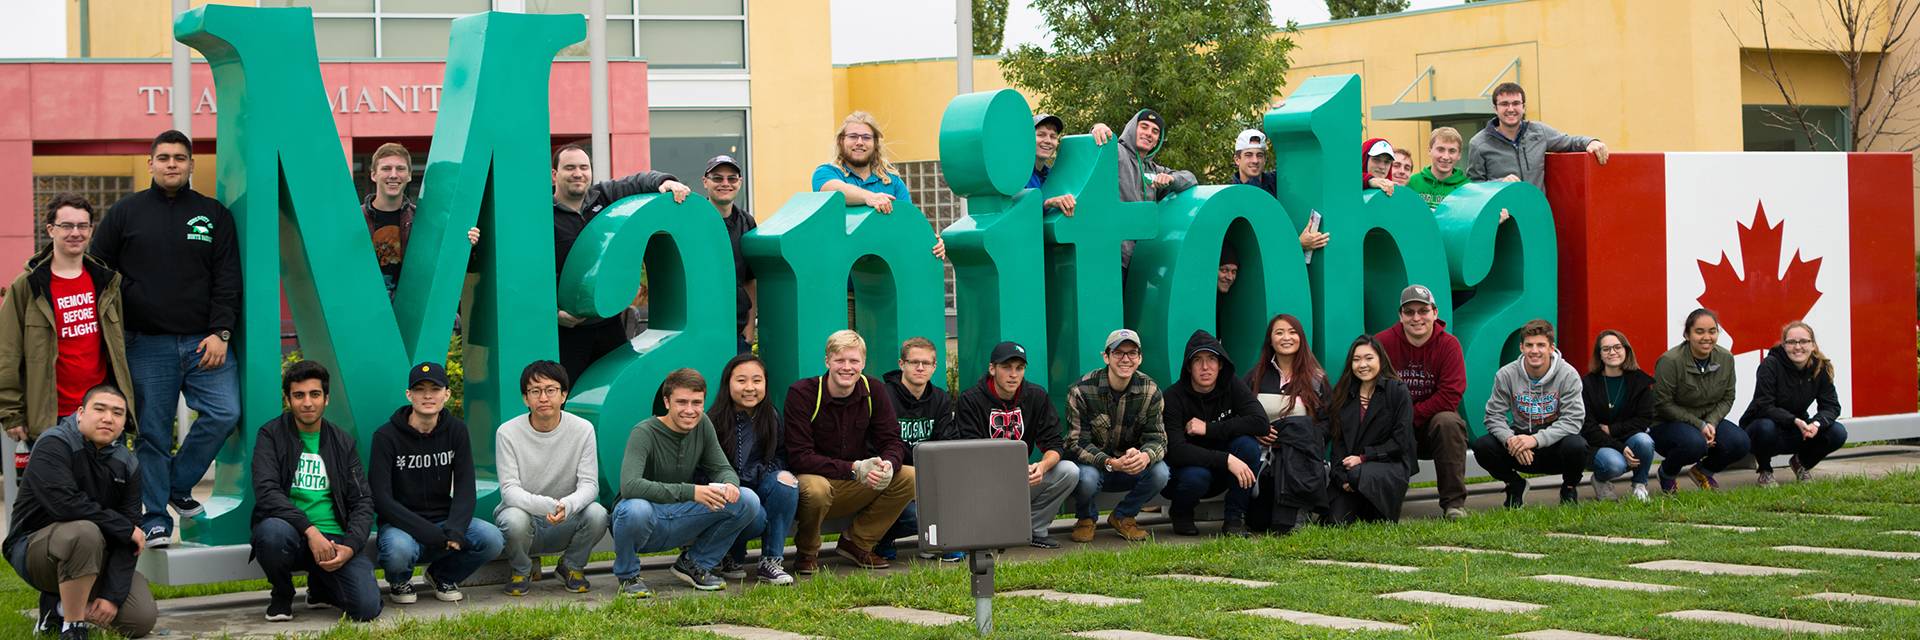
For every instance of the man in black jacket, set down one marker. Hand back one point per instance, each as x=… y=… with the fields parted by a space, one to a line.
x=1004 y=405
x=1213 y=424
x=925 y=412
x=179 y=262
x=73 y=536
x=421 y=472
x=312 y=510
x=576 y=200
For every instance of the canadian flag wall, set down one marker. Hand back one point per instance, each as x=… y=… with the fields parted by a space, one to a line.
x=1762 y=239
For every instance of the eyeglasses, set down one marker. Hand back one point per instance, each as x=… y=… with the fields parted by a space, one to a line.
x=70 y=227
x=1798 y=342
x=724 y=179
x=860 y=137
x=917 y=364
x=1511 y=103
x=1613 y=348
x=1124 y=355
x=542 y=392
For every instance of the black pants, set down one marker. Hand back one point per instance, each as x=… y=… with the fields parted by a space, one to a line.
x=1348 y=507
x=281 y=551
x=1567 y=457
x=580 y=346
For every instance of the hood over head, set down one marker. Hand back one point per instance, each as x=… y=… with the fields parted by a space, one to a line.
x=1203 y=341
x=1128 y=134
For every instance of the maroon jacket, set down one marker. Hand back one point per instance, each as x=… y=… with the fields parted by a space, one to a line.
x=1435 y=372
x=825 y=435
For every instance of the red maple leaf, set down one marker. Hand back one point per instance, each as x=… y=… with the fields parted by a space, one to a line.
x=1753 y=308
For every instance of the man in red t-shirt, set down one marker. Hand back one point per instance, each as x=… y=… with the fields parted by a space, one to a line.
x=60 y=330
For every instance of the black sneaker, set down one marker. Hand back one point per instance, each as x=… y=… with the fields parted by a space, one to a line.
x=159 y=536
x=402 y=592
x=280 y=609
x=1569 y=495
x=76 y=631
x=636 y=588
x=695 y=576
x=1043 y=542
x=50 y=618
x=732 y=569
x=1235 y=526
x=187 y=507
x=1183 y=524
x=444 y=591
x=1516 y=494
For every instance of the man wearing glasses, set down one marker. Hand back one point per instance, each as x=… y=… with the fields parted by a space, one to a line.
x=549 y=474
x=723 y=181
x=1114 y=432
x=1514 y=149
x=77 y=342
x=1434 y=368
x=925 y=412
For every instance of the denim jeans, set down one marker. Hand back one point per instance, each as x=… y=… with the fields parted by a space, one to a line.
x=1140 y=489
x=1770 y=440
x=163 y=367
x=1680 y=444
x=528 y=535
x=1608 y=463
x=281 y=551
x=778 y=503
x=645 y=527
x=399 y=553
x=1187 y=486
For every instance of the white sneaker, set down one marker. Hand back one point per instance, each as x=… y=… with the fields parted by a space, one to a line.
x=1602 y=489
x=1640 y=492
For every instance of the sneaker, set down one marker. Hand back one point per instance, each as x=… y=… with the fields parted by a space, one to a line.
x=634 y=587
x=860 y=557
x=519 y=585
x=923 y=555
x=50 y=620
x=1082 y=530
x=1569 y=494
x=280 y=608
x=886 y=549
x=1640 y=492
x=1800 y=472
x=1183 y=524
x=695 y=576
x=314 y=601
x=1235 y=526
x=444 y=591
x=1043 y=542
x=1455 y=513
x=1127 y=528
x=1669 y=486
x=1516 y=494
x=953 y=556
x=806 y=564
x=187 y=507
x=732 y=569
x=1766 y=479
x=1702 y=479
x=1602 y=489
x=572 y=579
x=159 y=536
x=76 y=631
x=771 y=573
x=402 y=592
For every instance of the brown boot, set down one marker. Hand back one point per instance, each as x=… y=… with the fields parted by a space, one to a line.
x=1082 y=530
x=806 y=563
x=863 y=558
x=1127 y=528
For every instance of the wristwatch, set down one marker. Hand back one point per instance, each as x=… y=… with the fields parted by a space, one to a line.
x=224 y=335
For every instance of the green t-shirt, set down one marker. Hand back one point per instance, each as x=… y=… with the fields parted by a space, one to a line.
x=311 y=490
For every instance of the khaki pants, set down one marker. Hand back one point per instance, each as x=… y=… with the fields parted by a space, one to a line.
x=73 y=550
x=1443 y=440
x=873 y=511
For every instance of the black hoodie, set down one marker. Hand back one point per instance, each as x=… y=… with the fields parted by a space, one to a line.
x=410 y=473
x=1028 y=417
x=923 y=418
x=1783 y=391
x=1230 y=410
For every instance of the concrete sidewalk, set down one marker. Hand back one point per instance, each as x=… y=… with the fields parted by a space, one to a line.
x=239 y=615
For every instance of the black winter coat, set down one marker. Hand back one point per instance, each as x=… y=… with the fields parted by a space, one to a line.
x=1782 y=392
x=1384 y=439
x=1230 y=410
x=1633 y=415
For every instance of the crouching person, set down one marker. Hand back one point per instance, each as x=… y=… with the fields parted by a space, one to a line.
x=421 y=471
x=1004 y=405
x=662 y=503
x=312 y=510
x=74 y=534
x=549 y=483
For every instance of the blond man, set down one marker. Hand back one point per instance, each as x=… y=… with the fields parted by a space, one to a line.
x=843 y=443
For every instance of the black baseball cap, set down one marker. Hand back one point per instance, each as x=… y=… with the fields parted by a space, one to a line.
x=427 y=372
x=1048 y=118
x=1006 y=351
x=723 y=159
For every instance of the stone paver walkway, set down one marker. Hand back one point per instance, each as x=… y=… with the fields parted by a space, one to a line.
x=1463 y=602
x=1516 y=554
x=1722 y=527
x=1758 y=622
x=1072 y=598
x=1558 y=634
x=1832 y=516
x=1252 y=584
x=1717 y=568
x=1858 y=598
x=920 y=617
x=1903 y=533
x=1363 y=565
x=1644 y=542
x=1125 y=634
x=750 y=633
x=1607 y=584
x=1860 y=553
x=1322 y=620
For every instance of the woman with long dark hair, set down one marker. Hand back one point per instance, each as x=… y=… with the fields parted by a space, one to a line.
x=1619 y=399
x=749 y=431
x=1794 y=376
x=1292 y=388
x=1692 y=393
x=1369 y=418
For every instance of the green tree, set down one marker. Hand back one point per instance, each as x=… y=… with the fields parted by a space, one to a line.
x=1357 y=8
x=989 y=26
x=1210 y=67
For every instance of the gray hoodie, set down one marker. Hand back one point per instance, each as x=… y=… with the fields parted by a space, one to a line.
x=1136 y=171
x=1492 y=156
x=1548 y=409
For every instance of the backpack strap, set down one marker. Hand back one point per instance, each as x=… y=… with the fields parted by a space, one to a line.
x=822 y=393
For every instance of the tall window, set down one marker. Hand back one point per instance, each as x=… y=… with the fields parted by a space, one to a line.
x=668 y=34
x=383 y=28
x=682 y=140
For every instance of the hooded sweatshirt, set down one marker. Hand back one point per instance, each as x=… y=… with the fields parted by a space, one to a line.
x=1436 y=189
x=1687 y=393
x=924 y=418
x=1137 y=170
x=179 y=260
x=1548 y=409
x=1782 y=391
x=1435 y=373
x=1028 y=417
x=411 y=472
x=1366 y=177
x=825 y=435
x=1230 y=410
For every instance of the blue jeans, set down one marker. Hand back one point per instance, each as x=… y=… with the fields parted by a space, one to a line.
x=1608 y=463
x=163 y=367
x=778 y=502
x=645 y=527
x=1680 y=444
x=399 y=553
x=528 y=535
x=281 y=551
x=1140 y=489
x=1189 y=485
x=1770 y=440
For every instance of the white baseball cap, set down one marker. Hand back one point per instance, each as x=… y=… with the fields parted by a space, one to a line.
x=1250 y=139
x=1380 y=148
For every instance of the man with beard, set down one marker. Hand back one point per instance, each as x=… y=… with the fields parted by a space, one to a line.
x=1004 y=405
x=1433 y=366
x=723 y=181
x=576 y=200
x=389 y=212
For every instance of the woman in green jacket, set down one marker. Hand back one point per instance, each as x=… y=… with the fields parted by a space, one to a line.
x=1692 y=393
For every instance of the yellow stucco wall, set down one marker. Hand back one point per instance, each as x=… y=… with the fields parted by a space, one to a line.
x=129 y=28
x=793 y=105
x=907 y=98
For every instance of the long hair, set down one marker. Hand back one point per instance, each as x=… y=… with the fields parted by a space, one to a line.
x=1348 y=389
x=881 y=167
x=766 y=424
x=1596 y=365
x=1302 y=377
x=1821 y=365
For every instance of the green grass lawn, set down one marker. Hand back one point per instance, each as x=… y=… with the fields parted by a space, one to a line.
x=818 y=606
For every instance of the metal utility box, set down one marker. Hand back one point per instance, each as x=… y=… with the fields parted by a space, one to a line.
x=973 y=494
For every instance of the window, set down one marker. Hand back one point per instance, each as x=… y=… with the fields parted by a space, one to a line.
x=928 y=188
x=1772 y=127
x=668 y=34
x=683 y=140
x=383 y=28
x=102 y=191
